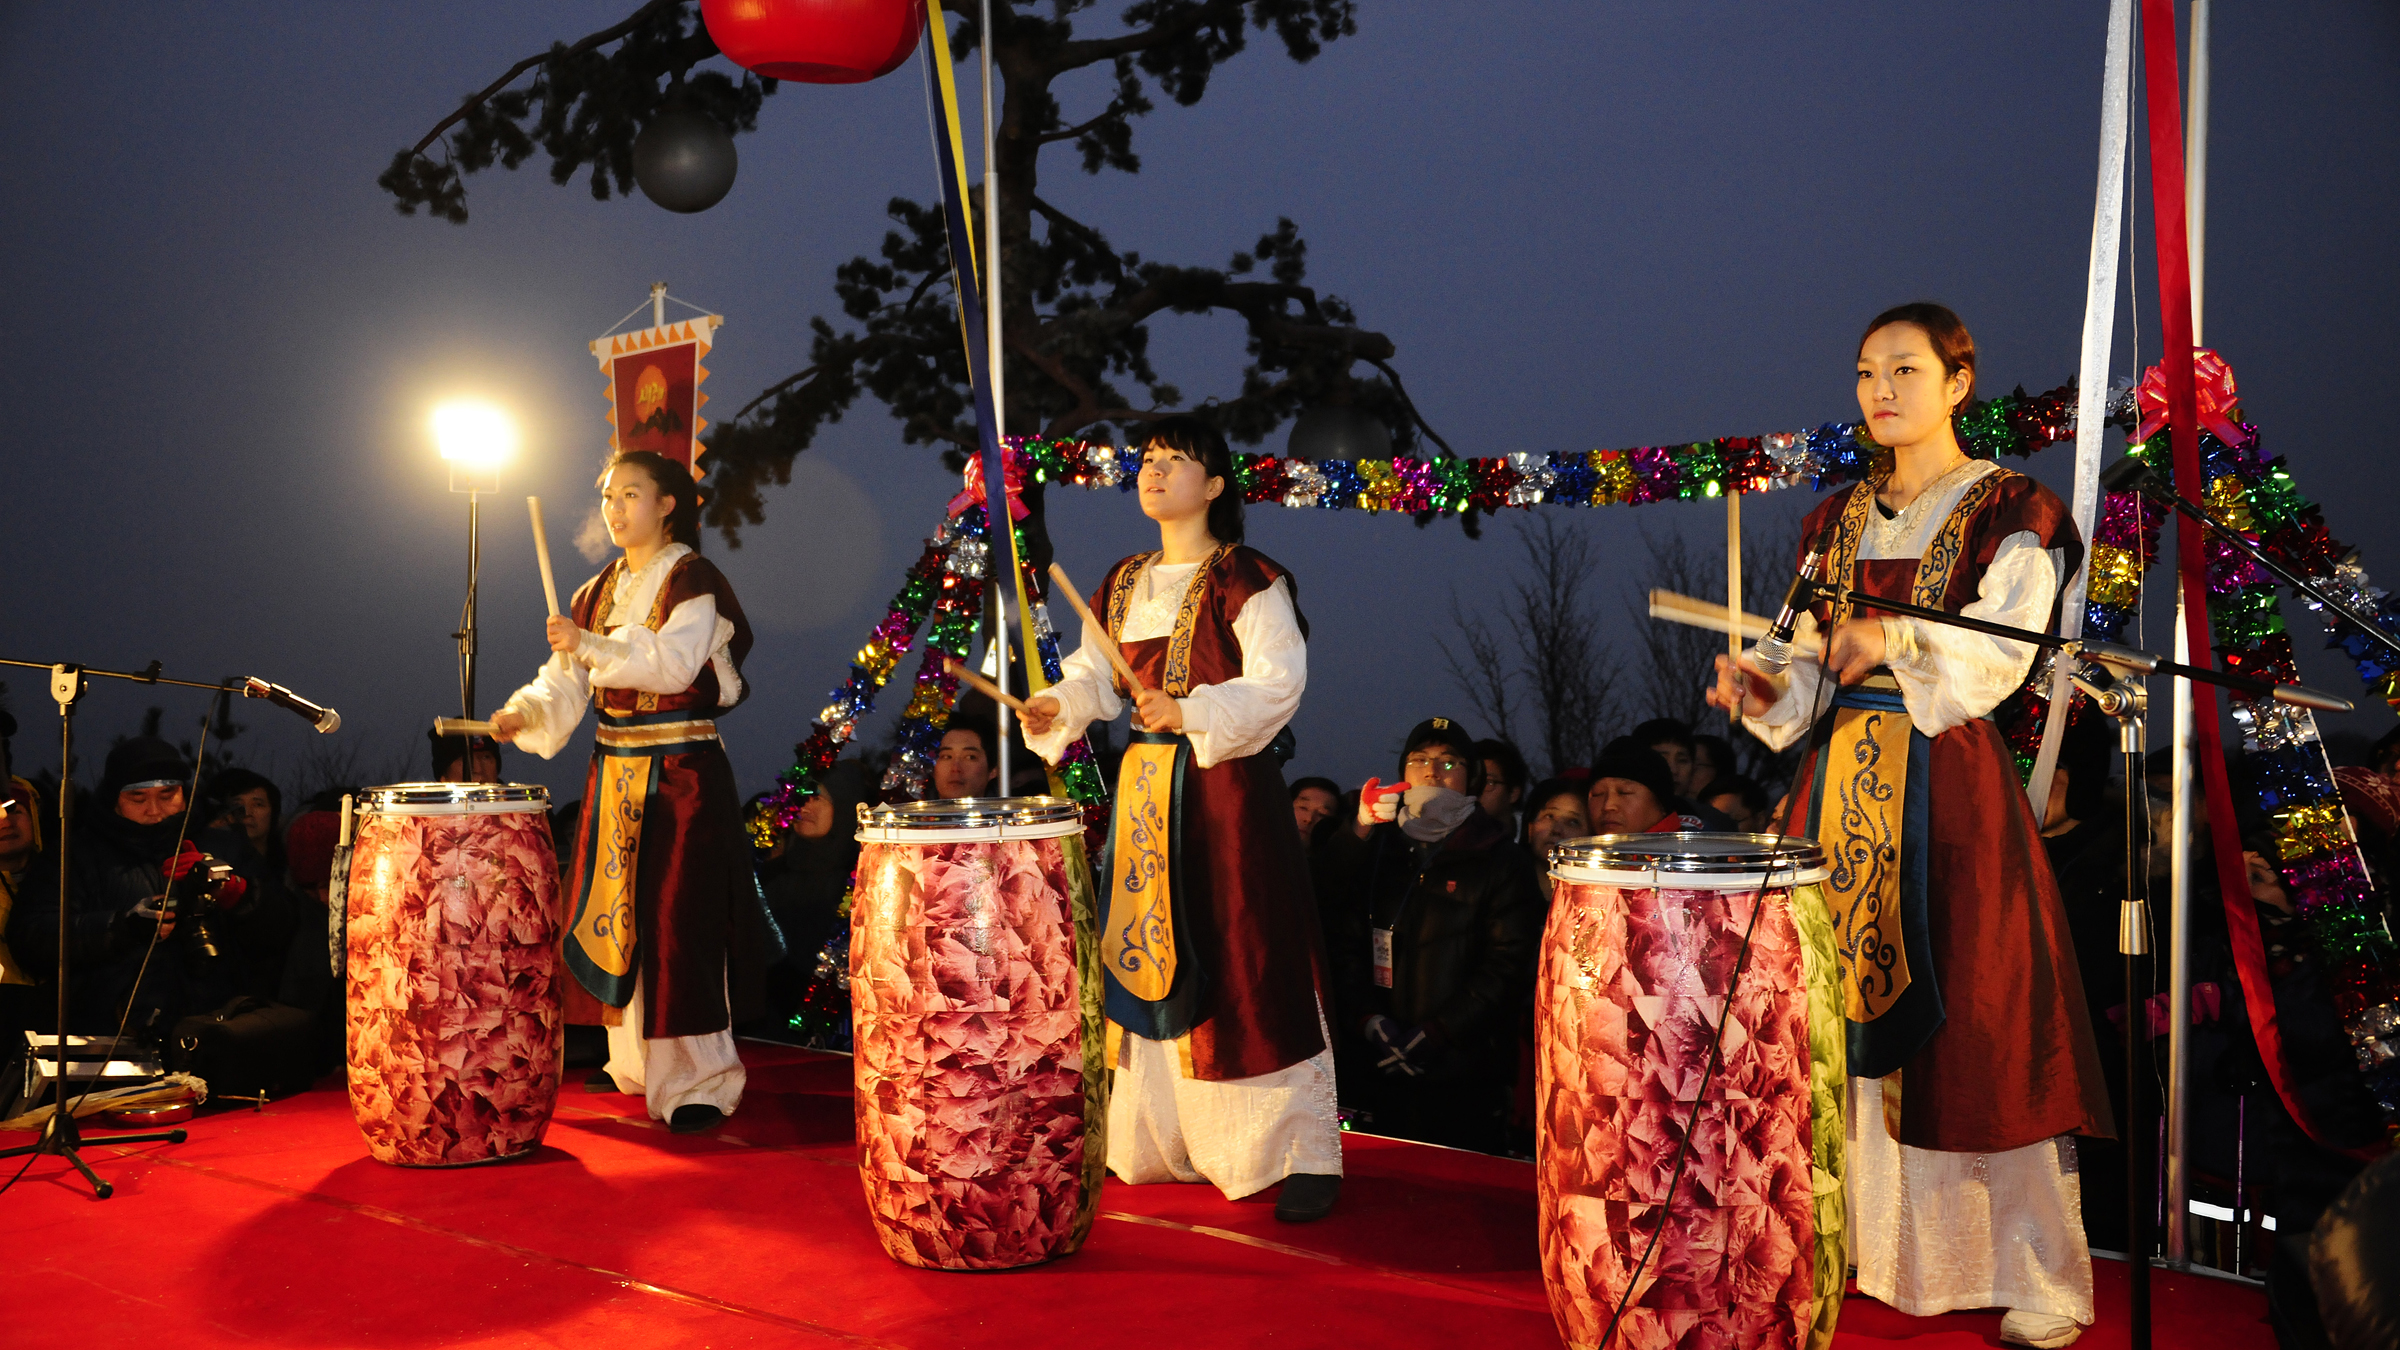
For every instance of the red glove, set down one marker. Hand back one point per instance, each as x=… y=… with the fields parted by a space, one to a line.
x=1379 y=802
x=185 y=861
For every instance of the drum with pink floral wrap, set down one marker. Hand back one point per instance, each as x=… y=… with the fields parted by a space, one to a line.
x=1644 y=939
x=976 y=1028
x=453 y=968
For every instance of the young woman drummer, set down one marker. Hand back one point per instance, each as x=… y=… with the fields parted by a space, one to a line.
x=1970 y=1049
x=1223 y=1070
x=665 y=931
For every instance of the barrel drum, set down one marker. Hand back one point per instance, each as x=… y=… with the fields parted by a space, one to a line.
x=454 y=1032
x=1637 y=961
x=981 y=1087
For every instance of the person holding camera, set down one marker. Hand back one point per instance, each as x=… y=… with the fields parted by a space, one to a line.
x=141 y=886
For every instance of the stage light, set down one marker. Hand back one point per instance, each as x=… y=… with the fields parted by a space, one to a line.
x=474 y=435
x=475 y=438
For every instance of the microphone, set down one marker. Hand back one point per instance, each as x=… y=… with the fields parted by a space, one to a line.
x=2131 y=474
x=325 y=720
x=1774 y=651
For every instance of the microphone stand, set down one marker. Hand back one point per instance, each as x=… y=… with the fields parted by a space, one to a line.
x=68 y=685
x=2111 y=674
x=2132 y=475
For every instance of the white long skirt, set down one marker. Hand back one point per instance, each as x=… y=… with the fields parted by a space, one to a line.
x=1242 y=1134
x=676 y=1070
x=1932 y=1232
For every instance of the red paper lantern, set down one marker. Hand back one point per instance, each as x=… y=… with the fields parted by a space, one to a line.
x=816 y=41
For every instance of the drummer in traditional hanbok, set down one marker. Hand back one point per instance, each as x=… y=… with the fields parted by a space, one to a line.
x=1209 y=935
x=666 y=930
x=1970 y=1049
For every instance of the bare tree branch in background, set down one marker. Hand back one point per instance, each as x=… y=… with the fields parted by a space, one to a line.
x=1558 y=663
x=1483 y=671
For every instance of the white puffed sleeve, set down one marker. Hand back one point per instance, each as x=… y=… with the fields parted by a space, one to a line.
x=1086 y=693
x=1951 y=676
x=1804 y=694
x=1238 y=717
x=664 y=662
x=552 y=704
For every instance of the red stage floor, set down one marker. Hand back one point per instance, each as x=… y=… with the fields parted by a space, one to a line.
x=273 y=1228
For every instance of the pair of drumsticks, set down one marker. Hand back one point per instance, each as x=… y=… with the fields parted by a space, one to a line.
x=1094 y=632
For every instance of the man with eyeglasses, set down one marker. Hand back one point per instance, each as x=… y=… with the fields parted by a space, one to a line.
x=1440 y=918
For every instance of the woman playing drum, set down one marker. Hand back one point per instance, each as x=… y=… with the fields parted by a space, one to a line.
x=1210 y=929
x=1970 y=1051
x=663 y=898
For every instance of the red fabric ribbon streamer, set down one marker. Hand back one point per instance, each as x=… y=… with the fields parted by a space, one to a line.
x=2164 y=115
x=975 y=494
x=2212 y=389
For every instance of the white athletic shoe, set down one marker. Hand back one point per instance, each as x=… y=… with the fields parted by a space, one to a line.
x=2044 y=1331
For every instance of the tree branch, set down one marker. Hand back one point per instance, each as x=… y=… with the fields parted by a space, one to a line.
x=1076 y=55
x=1115 y=111
x=474 y=101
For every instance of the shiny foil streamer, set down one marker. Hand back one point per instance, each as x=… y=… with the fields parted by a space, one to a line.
x=2115 y=577
x=1655 y=475
x=1262 y=478
x=1303 y=484
x=1575 y=480
x=2230 y=570
x=1382 y=485
x=1699 y=471
x=2305 y=831
x=2270 y=726
x=2229 y=501
x=1345 y=487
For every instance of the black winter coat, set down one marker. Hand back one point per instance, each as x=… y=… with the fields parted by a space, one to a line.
x=115 y=865
x=1466 y=922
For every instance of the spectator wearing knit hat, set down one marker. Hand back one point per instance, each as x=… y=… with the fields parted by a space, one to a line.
x=1633 y=792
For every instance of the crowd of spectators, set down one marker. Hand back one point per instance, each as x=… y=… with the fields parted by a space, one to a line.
x=1431 y=892
x=190 y=894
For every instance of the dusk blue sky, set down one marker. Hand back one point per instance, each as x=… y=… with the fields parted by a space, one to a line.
x=1584 y=226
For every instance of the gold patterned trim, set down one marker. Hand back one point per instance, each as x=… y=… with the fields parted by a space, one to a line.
x=1942 y=554
x=1178 y=681
x=1120 y=601
x=658 y=734
x=1179 y=647
x=1950 y=542
x=1842 y=566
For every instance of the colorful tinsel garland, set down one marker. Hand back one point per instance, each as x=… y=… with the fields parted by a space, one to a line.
x=944 y=593
x=1837 y=452
x=2324 y=873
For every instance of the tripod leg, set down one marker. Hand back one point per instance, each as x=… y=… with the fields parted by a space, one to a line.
x=105 y=1190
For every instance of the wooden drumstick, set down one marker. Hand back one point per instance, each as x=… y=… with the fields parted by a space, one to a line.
x=460 y=726
x=982 y=685
x=541 y=550
x=1094 y=632
x=1708 y=614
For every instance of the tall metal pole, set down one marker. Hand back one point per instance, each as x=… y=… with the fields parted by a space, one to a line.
x=466 y=640
x=2179 y=909
x=997 y=524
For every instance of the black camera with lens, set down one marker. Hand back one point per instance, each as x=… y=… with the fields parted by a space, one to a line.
x=192 y=899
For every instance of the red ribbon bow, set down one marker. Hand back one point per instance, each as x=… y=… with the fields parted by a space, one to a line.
x=2213 y=384
x=1013 y=470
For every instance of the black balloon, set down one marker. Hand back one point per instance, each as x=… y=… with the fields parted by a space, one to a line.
x=2355 y=1261
x=1339 y=431
x=684 y=160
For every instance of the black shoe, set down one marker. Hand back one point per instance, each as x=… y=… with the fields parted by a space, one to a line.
x=1307 y=1197
x=600 y=1081
x=693 y=1119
